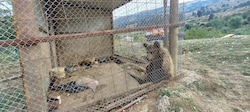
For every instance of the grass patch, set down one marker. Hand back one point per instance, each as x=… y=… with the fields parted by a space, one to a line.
x=203 y=85
x=165 y=92
x=197 y=85
x=9 y=55
x=176 y=105
x=184 y=103
x=202 y=72
x=246 y=73
x=222 y=54
x=10 y=100
x=202 y=32
x=133 y=49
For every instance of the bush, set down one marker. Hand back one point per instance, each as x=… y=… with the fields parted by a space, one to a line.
x=165 y=92
x=217 y=23
x=242 y=31
x=211 y=16
x=188 y=26
x=235 y=22
x=248 y=18
x=202 y=32
x=7 y=30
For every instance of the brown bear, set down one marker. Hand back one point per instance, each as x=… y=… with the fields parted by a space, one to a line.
x=160 y=65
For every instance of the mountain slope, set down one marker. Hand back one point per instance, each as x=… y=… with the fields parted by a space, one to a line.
x=155 y=16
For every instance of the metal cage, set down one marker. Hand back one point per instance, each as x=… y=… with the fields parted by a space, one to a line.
x=76 y=55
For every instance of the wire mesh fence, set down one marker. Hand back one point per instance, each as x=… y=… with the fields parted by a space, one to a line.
x=69 y=55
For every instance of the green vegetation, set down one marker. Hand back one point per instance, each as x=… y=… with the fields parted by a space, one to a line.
x=165 y=92
x=9 y=55
x=202 y=32
x=130 y=49
x=235 y=22
x=178 y=103
x=238 y=24
x=226 y=55
x=12 y=99
x=7 y=30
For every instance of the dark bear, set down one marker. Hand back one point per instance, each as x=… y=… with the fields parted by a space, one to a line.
x=160 y=65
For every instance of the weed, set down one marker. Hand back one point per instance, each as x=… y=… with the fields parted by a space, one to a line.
x=236 y=110
x=246 y=73
x=186 y=103
x=176 y=105
x=175 y=109
x=165 y=92
x=192 y=105
x=203 y=72
x=190 y=85
x=199 y=85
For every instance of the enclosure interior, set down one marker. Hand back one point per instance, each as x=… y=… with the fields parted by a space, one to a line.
x=127 y=20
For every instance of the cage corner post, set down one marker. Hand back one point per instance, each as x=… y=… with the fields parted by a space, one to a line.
x=166 y=38
x=32 y=68
x=173 y=32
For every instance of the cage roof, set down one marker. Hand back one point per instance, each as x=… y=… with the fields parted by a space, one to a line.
x=98 y=4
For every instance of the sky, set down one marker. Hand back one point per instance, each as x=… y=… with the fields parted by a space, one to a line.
x=130 y=8
x=136 y=6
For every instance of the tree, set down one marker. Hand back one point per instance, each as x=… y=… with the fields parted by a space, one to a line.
x=235 y=22
x=248 y=18
x=244 y=15
x=199 y=13
x=202 y=32
x=211 y=16
x=188 y=26
x=216 y=23
x=7 y=30
x=194 y=14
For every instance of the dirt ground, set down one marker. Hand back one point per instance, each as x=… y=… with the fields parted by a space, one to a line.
x=200 y=89
x=113 y=79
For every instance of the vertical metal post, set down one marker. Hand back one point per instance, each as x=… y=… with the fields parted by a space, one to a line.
x=173 y=32
x=33 y=59
x=166 y=39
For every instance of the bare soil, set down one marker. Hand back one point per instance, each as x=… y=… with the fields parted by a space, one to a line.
x=113 y=79
x=201 y=89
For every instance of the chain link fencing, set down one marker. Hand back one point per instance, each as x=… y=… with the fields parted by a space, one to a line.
x=82 y=55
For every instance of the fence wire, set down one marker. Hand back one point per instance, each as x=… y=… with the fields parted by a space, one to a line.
x=64 y=55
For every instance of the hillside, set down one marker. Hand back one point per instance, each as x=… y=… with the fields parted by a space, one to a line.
x=222 y=6
x=206 y=7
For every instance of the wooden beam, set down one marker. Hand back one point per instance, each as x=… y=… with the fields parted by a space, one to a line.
x=32 y=40
x=173 y=32
x=33 y=62
x=166 y=38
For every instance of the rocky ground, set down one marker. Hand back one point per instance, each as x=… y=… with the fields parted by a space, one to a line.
x=201 y=89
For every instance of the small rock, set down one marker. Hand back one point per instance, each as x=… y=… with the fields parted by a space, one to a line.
x=181 y=109
x=163 y=104
x=184 y=95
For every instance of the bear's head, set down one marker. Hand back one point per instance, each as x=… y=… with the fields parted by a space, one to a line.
x=153 y=51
